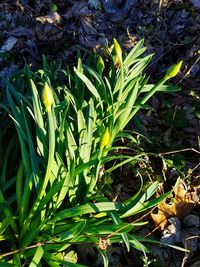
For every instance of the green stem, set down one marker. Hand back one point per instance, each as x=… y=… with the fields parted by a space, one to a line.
x=19 y=185
x=50 y=156
x=148 y=95
x=94 y=178
x=47 y=174
x=8 y=213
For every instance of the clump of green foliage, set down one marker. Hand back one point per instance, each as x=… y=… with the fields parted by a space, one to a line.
x=67 y=122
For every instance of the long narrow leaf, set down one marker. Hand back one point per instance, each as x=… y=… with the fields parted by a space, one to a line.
x=37 y=257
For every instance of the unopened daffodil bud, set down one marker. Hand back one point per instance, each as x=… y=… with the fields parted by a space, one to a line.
x=100 y=65
x=47 y=97
x=173 y=70
x=100 y=215
x=105 y=139
x=118 y=51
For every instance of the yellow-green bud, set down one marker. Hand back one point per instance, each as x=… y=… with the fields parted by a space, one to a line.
x=173 y=70
x=100 y=215
x=47 y=97
x=100 y=65
x=118 y=51
x=105 y=139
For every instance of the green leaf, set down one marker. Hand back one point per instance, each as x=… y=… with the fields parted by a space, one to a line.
x=6 y=209
x=138 y=245
x=100 y=81
x=149 y=240
x=72 y=233
x=4 y=264
x=54 y=8
x=37 y=257
x=66 y=177
x=89 y=85
x=134 y=54
x=19 y=186
x=104 y=229
x=51 y=258
x=38 y=117
x=125 y=117
x=4 y=224
x=198 y=113
x=139 y=205
x=163 y=88
x=116 y=219
x=85 y=209
x=82 y=130
x=104 y=256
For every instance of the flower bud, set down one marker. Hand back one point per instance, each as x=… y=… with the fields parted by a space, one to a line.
x=47 y=97
x=100 y=65
x=173 y=70
x=118 y=51
x=105 y=139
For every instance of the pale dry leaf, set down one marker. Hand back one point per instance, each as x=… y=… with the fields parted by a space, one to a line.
x=173 y=233
x=8 y=45
x=160 y=220
x=52 y=18
x=181 y=205
x=104 y=243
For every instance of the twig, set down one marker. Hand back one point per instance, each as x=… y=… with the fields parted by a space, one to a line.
x=40 y=244
x=177 y=151
x=188 y=72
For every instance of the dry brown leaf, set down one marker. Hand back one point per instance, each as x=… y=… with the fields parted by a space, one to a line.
x=104 y=243
x=182 y=202
x=52 y=18
x=160 y=220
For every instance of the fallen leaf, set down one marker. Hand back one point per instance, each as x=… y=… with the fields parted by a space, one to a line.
x=181 y=204
x=196 y=3
x=52 y=18
x=96 y=4
x=173 y=233
x=160 y=220
x=104 y=243
x=8 y=45
x=22 y=32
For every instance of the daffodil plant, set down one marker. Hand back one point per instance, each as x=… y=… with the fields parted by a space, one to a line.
x=51 y=195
